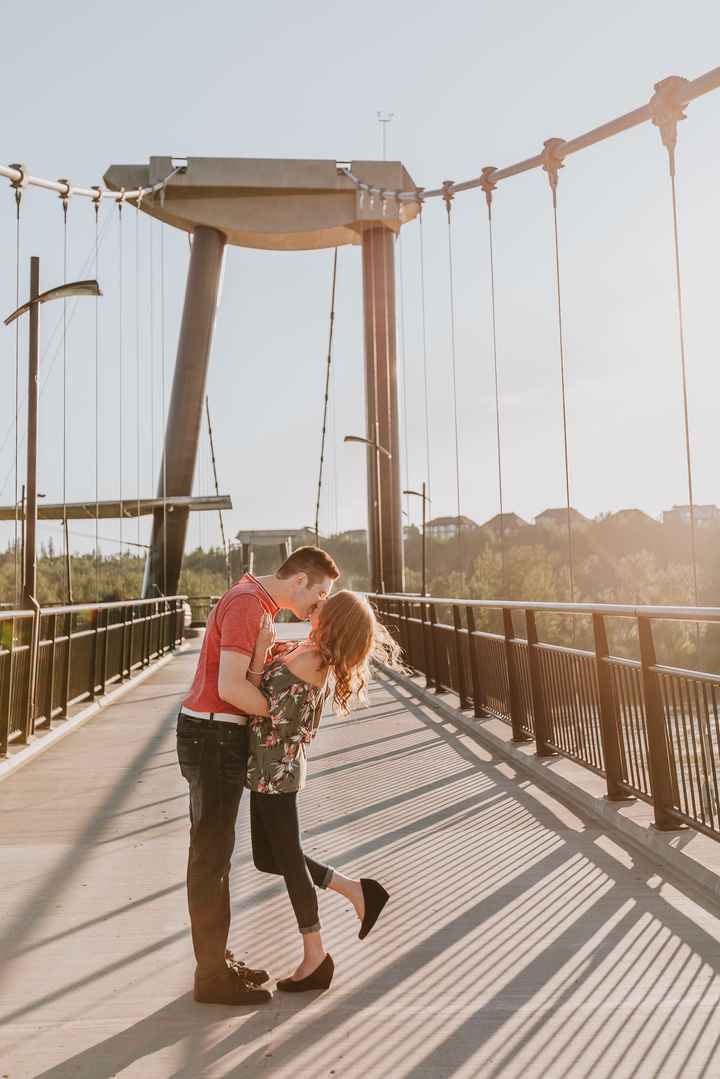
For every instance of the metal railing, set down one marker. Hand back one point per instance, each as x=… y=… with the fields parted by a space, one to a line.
x=55 y=657
x=651 y=729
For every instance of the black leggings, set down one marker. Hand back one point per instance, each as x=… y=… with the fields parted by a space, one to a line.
x=276 y=847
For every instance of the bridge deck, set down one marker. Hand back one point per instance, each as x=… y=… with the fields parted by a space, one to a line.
x=520 y=940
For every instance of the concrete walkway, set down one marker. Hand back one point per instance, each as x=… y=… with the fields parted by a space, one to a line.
x=520 y=941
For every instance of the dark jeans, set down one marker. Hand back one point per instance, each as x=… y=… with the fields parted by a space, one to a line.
x=213 y=760
x=276 y=846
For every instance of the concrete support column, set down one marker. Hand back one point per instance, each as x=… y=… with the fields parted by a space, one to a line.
x=177 y=470
x=381 y=396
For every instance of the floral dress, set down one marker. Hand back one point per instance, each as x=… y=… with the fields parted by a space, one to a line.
x=277 y=761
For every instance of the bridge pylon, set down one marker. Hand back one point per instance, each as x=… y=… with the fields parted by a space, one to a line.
x=282 y=205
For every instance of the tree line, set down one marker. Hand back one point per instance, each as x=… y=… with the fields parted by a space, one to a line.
x=625 y=558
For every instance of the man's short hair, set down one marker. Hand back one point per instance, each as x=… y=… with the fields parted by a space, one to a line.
x=313 y=561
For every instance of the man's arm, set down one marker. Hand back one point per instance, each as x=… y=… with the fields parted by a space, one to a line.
x=234 y=687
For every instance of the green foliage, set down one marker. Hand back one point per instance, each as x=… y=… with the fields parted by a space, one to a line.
x=623 y=558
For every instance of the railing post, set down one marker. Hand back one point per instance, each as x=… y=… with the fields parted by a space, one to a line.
x=659 y=764
x=148 y=632
x=172 y=625
x=68 y=660
x=433 y=648
x=427 y=662
x=398 y=617
x=609 y=726
x=33 y=671
x=474 y=665
x=106 y=634
x=6 y=697
x=543 y=732
x=406 y=633
x=93 y=654
x=122 y=644
x=462 y=684
x=130 y=641
x=519 y=734
x=151 y=629
x=51 y=673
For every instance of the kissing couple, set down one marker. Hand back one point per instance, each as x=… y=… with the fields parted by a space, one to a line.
x=253 y=708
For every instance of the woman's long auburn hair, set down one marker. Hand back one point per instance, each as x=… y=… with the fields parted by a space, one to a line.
x=348 y=635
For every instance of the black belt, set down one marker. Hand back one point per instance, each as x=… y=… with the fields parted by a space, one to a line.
x=212 y=723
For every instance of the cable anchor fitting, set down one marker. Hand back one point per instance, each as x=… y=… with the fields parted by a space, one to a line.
x=488 y=185
x=121 y=201
x=97 y=198
x=552 y=160
x=19 y=185
x=64 y=197
x=448 y=195
x=666 y=108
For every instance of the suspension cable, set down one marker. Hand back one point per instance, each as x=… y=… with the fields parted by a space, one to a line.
x=97 y=404
x=666 y=109
x=121 y=357
x=328 y=367
x=403 y=357
x=151 y=360
x=226 y=550
x=163 y=421
x=375 y=433
x=333 y=445
x=18 y=569
x=488 y=187
x=688 y=91
x=395 y=499
x=89 y=535
x=65 y=201
x=48 y=366
x=17 y=174
x=553 y=162
x=137 y=372
x=421 y=249
x=453 y=372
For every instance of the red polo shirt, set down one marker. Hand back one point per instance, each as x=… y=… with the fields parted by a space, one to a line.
x=232 y=626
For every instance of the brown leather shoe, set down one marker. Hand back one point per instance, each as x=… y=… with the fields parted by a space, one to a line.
x=228 y=987
x=254 y=975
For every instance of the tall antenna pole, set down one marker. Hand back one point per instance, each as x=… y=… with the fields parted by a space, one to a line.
x=384 y=118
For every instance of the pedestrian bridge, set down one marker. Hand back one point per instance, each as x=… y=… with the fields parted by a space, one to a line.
x=521 y=938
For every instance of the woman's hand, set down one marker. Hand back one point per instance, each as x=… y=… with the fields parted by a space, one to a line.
x=266 y=634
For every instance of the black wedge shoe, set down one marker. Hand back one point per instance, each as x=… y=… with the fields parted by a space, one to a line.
x=320 y=978
x=375 y=898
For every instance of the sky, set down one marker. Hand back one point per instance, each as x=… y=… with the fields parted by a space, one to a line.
x=469 y=85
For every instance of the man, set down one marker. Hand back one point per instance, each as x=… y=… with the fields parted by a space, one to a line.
x=213 y=749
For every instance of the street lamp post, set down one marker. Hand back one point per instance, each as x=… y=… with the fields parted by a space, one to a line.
x=32 y=307
x=423 y=495
x=374 y=444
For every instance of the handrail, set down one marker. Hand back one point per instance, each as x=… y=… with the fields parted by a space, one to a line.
x=75 y=608
x=610 y=610
x=649 y=727
x=49 y=660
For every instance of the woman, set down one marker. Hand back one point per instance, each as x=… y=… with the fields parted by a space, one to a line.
x=345 y=635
